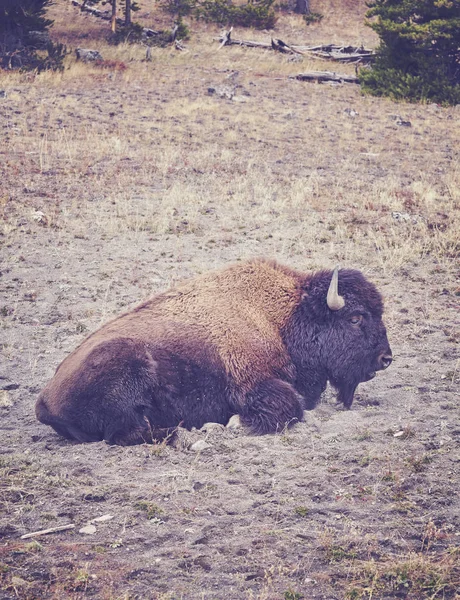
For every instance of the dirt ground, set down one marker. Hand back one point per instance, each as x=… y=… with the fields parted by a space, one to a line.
x=117 y=182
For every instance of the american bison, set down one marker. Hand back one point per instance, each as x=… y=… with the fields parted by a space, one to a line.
x=257 y=339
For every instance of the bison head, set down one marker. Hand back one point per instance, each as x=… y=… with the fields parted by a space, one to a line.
x=342 y=335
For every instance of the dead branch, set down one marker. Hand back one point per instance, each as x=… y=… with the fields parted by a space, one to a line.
x=46 y=531
x=284 y=48
x=226 y=40
x=180 y=46
x=174 y=32
x=320 y=76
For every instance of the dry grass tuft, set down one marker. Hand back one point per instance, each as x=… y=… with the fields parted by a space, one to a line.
x=414 y=576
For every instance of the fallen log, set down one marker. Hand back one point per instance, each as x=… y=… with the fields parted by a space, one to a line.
x=335 y=52
x=226 y=39
x=320 y=76
x=342 y=57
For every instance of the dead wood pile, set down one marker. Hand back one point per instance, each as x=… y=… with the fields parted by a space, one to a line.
x=335 y=52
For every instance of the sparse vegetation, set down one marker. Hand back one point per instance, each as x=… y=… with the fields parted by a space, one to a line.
x=301 y=511
x=312 y=17
x=150 y=508
x=415 y=576
x=254 y=13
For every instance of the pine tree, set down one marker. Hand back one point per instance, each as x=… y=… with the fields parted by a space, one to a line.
x=128 y=7
x=24 y=36
x=419 y=53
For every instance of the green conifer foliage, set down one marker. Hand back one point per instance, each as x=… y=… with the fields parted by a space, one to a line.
x=24 y=40
x=419 y=54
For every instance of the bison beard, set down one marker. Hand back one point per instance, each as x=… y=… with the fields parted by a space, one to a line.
x=256 y=339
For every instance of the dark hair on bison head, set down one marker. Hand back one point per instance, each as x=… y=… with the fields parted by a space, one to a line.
x=345 y=346
x=257 y=339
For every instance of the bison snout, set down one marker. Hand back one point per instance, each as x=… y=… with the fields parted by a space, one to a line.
x=385 y=360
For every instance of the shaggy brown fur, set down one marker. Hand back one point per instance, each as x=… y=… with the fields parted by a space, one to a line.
x=209 y=347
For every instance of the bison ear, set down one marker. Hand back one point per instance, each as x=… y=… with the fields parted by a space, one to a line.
x=334 y=301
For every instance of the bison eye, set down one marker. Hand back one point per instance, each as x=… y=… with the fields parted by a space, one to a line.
x=356 y=319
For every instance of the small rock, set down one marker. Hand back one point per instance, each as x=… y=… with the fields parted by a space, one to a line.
x=235 y=422
x=88 y=530
x=11 y=386
x=223 y=91
x=399 y=434
x=199 y=446
x=295 y=58
x=102 y=519
x=3 y=94
x=96 y=497
x=402 y=216
x=18 y=582
x=5 y=400
x=351 y=112
x=31 y=295
x=400 y=121
x=40 y=217
x=87 y=55
x=233 y=75
x=211 y=427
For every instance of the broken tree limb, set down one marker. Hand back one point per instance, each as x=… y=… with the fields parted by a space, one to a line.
x=225 y=38
x=174 y=32
x=320 y=76
x=180 y=46
x=282 y=47
x=343 y=57
x=335 y=52
x=46 y=531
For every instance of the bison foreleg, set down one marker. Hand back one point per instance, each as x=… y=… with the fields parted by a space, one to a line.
x=271 y=406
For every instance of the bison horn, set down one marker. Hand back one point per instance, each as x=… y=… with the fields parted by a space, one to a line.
x=334 y=301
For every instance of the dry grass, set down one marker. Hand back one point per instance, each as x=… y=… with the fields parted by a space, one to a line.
x=160 y=162
x=415 y=576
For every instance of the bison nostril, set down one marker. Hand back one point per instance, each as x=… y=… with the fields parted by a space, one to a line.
x=386 y=360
